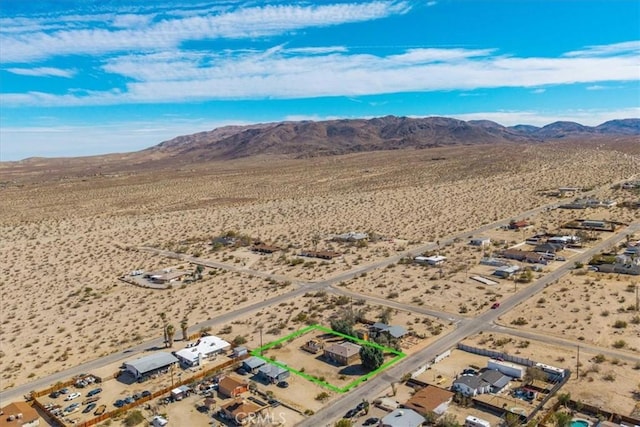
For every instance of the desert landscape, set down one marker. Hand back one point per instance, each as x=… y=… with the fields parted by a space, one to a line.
x=69 y=239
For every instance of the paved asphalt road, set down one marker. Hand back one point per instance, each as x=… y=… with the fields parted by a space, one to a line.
x=301 y=287
x=375 y=386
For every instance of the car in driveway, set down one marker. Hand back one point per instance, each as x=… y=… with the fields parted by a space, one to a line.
x=72 y=396
x=371 y=421
x=495 y=305
x=89 y=408
x=351 y=413
x=283 y=384
x=94 y=392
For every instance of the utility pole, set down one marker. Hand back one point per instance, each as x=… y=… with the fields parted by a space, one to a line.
x=637 y=301
x=578 y=364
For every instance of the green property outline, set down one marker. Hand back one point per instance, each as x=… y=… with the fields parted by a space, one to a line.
x=398 y=355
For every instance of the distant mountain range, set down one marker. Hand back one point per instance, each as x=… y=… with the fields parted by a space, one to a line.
x=333 y=137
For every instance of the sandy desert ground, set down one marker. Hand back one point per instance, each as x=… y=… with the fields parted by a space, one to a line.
x=66 y=240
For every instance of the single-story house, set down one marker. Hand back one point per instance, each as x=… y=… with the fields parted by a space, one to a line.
x=181 y=392
x=351 y=236
x=386 y=403
x=470 y=385
x=480 y=241
x=402 y=418
x=430 y=260
x=489 y=381
x=206 y=347
x=526 y=256
x=241 y=411
x=252 y=364
x=517 y=225
x=496 y=379
x=223 y=241
x=19 y=414
x=549 y=248
x=430 y=399
x=263 y=248
x=392 y=331
x=151 y=364
x=273 y=373
x=494 y=262
x=321 y=254
x=159 y=421
x=166 y=276
x=231 y=386
x=506 y=271
x=472 y=421
x=344 y=353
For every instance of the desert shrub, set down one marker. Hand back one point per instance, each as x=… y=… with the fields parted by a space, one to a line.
x=619 y=344
x=133 y=419
x=620 y=324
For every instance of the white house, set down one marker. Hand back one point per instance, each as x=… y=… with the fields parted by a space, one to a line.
x=430 y=260
x=480 y=241
x=205 y=348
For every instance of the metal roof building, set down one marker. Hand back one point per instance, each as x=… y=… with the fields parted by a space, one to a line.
x=149 y=364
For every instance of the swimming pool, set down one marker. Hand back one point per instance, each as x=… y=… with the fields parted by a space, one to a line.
x=579 y=423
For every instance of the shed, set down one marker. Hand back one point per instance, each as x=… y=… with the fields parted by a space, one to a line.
x=239 y=351
x=181 y=392
x=480 y=241
x=252 y=363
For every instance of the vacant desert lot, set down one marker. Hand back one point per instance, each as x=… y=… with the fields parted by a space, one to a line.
x=67 y=239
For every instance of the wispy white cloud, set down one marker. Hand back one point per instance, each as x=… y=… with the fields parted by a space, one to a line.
x=141 y=32
x=630 y=47
x=539 y=90
x=42 y=72
x=173 y=75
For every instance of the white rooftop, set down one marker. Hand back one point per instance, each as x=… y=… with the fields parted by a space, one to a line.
x=204 y=347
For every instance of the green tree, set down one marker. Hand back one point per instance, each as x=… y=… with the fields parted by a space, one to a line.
x=512 y=420
x=371 y=357
x=171 y=332
x=385 y=316
x=198 y=273
x=343 y=326
x=564 y=399
x=562 y=419
x=533 y=373
x=430 y=418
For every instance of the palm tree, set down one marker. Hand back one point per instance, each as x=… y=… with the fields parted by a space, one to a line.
x=163 y=317
x=184 y=326
x=171 y=332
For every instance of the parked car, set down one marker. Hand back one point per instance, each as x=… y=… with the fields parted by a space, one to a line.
x=94 y=392
x=241 y=371
x=283 y=384
x=100 y=410
x=137 y=396
x=64 y=391
x=89 y=408
x=54 y=394
x=119 y=403
x=71 y=408
x=129 y=399
x=146 y=393
x=495 y=305
x=351 y=413
x=72 y=396
x=371 y=421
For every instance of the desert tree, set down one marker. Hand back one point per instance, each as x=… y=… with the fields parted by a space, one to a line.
x=163 y=317
x=371 y=357
x=562 y=419
x=184 y=326
x=171 y=332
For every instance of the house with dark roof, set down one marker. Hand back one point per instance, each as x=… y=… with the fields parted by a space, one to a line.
x=430 y=399
x=392 y=331
x=489 y=381
x=273 y=373
x=344 y=353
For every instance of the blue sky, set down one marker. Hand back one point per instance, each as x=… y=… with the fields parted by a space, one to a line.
x=90 y=77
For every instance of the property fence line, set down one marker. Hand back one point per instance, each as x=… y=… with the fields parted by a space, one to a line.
x=552 y=392
x=496 y=354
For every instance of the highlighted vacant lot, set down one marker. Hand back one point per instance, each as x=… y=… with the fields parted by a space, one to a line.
x=397 y=355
